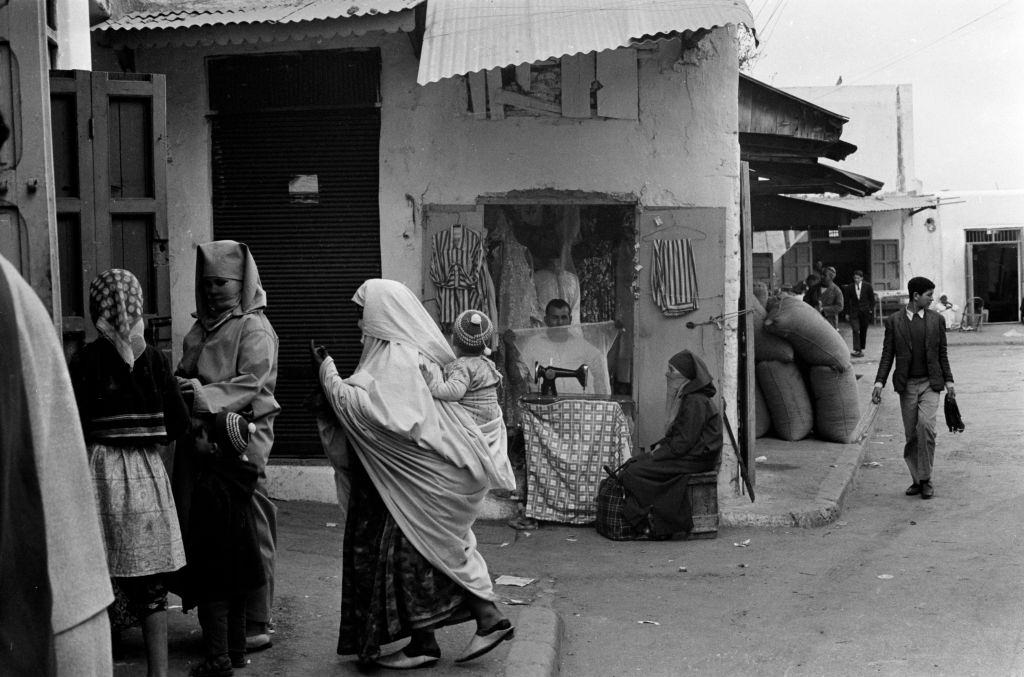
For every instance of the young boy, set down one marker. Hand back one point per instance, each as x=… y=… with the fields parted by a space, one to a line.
x=471 y=379
x=221 y=543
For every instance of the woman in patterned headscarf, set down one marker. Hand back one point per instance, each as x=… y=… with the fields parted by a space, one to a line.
x=129 y=403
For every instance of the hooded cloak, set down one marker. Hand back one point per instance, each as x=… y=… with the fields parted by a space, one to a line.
x=656 y=483
x=429 y=461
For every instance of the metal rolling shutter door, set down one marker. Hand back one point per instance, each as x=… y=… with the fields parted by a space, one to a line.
x=311 y=257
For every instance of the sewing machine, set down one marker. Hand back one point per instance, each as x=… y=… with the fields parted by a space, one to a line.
x=550 y=374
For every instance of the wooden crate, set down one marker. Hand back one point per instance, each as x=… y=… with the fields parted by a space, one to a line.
x=703 y=490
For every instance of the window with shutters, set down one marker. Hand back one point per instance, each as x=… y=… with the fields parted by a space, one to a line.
x=885 y=264
x=602 y=85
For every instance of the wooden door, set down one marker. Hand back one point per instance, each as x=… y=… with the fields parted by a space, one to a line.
x=28 y=224
x=110 y=166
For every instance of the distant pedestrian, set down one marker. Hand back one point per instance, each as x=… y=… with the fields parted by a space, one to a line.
x=860 y=306
x=812 y=291
x=830 y=299
x=129 y=404
x=915 y=337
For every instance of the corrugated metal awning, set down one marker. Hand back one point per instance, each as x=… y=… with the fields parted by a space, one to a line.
x=465 y=36
x=872 y=203
x=165 y=14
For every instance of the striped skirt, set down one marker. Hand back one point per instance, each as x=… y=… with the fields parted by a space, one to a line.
x=140 y=524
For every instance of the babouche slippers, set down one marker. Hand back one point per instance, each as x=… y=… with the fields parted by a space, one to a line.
x=485 y=640
x=400 y=660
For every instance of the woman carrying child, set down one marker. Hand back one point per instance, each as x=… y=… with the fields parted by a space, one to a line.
x=129 y=405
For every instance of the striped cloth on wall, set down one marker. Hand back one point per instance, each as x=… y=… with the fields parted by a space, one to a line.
x=674 y=277
x=457 y=271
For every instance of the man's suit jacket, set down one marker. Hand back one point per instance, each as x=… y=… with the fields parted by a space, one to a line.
x=864 y=303
x=896 y=346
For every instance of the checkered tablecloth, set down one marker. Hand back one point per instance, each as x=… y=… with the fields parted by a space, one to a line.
x=567 y=443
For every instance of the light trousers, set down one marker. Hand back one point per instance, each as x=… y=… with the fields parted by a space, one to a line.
x=918 y=404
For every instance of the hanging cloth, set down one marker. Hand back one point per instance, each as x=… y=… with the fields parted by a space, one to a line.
x=674 y=277
x=456 y=264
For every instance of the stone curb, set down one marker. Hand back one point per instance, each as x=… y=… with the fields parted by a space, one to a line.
x=827 y=504
x=537 y=643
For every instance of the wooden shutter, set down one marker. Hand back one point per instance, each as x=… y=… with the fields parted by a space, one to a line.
x=312 y=250
x=110 y=170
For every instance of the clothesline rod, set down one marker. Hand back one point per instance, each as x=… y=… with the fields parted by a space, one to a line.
x=717 y=320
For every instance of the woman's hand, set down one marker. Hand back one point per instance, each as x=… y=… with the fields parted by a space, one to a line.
x=318 y=354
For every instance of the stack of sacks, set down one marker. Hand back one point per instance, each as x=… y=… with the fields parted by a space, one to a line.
x=780 y=387
x=833 y=383
x=762 y=417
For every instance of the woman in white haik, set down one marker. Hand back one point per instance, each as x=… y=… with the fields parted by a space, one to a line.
x=419 y=474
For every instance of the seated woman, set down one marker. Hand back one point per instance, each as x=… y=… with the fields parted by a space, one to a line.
x=419 y=474
x=657 y=501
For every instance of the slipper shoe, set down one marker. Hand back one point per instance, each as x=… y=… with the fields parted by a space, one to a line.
x=400 y=660
x=484 y=641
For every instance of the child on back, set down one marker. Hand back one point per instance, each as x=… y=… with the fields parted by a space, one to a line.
x=471 y=379
x=220 y=542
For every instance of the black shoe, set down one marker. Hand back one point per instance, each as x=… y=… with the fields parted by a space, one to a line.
x=857 y=353
x=914 y=489
x=213 y=667
x=238 y=659
x=926 y=489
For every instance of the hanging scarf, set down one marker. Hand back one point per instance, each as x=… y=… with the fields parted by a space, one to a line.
x=115 y=304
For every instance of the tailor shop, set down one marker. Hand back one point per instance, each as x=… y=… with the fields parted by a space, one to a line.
x=627 y=195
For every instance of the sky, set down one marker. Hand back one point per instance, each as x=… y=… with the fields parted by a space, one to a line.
x=964 y=59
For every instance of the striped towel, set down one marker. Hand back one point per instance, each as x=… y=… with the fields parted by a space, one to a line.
x=674 y=277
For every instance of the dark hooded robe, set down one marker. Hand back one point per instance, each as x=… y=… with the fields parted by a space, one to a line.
x=656 y=483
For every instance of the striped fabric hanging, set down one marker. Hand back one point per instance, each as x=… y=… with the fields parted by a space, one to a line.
x=674 y=277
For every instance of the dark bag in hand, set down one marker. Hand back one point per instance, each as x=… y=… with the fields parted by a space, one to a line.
x=952 y=411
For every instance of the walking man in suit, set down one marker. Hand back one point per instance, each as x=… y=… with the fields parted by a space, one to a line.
x=861 y=304
x=916 y=338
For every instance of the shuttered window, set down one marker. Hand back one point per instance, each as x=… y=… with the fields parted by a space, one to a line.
x=300 y=187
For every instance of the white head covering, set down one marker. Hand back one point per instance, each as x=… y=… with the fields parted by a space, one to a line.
x=391 y=312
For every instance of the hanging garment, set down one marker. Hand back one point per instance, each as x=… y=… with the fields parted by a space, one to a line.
x=597 y=282
x=456 y=264
x=674 y=277
x=558 y=284
x=517 y=296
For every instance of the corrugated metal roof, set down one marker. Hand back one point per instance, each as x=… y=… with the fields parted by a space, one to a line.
x=169 y=14
x=871 y=203
x=464 y=36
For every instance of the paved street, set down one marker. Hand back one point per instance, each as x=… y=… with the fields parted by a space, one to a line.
x=897 y=586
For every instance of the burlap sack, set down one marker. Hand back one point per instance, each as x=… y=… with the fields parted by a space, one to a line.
x=787 y=399
x=836 y=410
x=768 y=346
x=813 y=338
x=762 y=417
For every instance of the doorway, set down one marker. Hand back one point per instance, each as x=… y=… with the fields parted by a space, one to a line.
x=295 y=141
x=997 y=279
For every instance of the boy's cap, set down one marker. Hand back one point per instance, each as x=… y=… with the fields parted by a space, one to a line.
x=231 y=432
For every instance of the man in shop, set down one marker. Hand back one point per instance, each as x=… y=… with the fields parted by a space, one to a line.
x=561 y=344
x=860 y=298
x=915 y=338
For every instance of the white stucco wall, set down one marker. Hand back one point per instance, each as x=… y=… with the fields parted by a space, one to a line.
x=683 y=152
x=881 y=126
x=74 y=49
x=969 y=210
